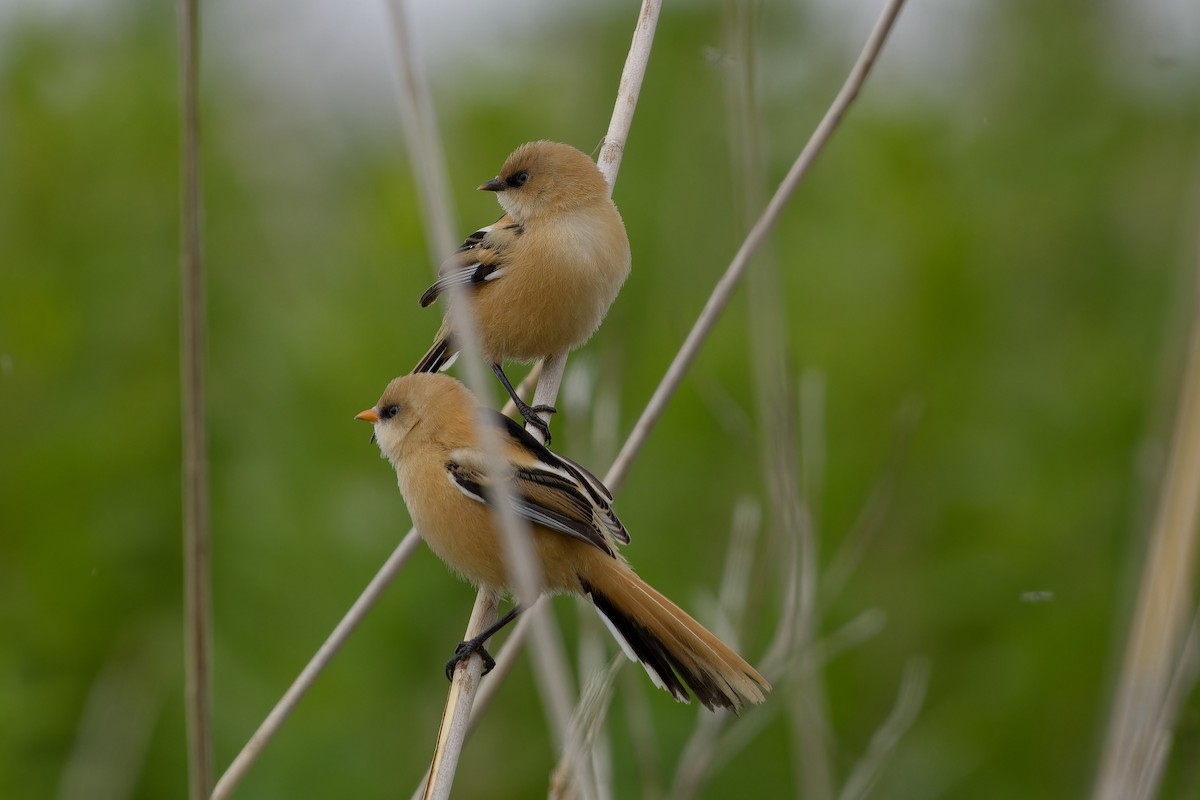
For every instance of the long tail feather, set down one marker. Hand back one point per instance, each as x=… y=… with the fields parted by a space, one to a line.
x=675 y=650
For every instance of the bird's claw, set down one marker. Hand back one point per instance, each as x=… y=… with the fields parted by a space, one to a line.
x=542 y=426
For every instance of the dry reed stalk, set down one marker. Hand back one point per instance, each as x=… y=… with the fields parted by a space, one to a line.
x=426 y=156
x=197 y=577
x=505 y=660
x=1144 y=709
x=695 y=762
x=457 y=714
x=120 y=716
x=870 y=519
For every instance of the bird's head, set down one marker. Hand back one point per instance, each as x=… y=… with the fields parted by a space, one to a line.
x=546 y=177
x=438 y=401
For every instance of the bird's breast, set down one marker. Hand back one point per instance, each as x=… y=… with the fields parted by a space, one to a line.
x=458 y=530
x=557 y=286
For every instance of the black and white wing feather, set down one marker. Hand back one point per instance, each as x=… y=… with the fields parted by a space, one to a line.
x=600 y=496
x=548 y=489
x=478 y=260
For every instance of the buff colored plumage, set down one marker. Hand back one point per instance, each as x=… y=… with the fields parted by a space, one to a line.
x=424 y=425
x=541 y=279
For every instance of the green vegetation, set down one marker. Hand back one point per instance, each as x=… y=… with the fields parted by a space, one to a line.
x=1012 y=252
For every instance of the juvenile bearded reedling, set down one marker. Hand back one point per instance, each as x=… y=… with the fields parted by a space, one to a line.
x=425 y=426
x=540 y=280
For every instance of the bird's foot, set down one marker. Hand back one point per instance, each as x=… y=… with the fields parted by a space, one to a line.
x=530 y=413
x=464 y=651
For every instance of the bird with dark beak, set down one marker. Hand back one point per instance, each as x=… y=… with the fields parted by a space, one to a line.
x=540 y=280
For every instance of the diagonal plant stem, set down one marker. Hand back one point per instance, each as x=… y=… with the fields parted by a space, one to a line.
x=695 y=762
x=197 y=579
x=422 y=138
x=754 y=240
x=1139 y=732
x=870 y=519
x=780 y=461
x=317 y=664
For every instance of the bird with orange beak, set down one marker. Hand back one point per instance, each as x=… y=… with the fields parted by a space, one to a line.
x=426 y=427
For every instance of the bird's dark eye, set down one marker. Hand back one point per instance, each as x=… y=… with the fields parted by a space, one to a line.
x=389 y=411
x=518 y=180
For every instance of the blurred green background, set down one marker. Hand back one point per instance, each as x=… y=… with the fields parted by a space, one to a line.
x=1002 y=235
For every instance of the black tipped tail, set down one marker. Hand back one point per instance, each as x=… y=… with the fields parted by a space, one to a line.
x=639 y=645
x=675 y=650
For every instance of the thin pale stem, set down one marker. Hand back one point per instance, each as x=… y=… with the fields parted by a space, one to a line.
x=812 y=726
x=129 y=687
x=550 y=379
x=197 y=579
x=871 y=518
x=754 y=240
x=909 y=699
x=695 y=763
x=550 y=661
x=780 y=458
x=457 y=713
x=524 y=570
x=506 y=658
x=428 y=162
x=628 y=91
x=785 y=468
x=613 y=149
x=632 y=75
